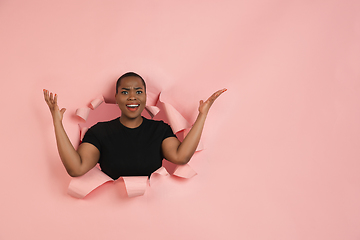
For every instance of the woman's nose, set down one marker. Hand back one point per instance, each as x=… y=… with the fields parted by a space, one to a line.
x=132 y=96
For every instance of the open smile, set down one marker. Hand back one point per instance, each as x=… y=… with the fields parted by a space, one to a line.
x=132 y=107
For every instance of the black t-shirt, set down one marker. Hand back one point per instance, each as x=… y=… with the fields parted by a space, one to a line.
x=129 y=151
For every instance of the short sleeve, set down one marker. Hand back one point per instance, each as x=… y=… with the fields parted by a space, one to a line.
x=168 y=131
x=90 y=137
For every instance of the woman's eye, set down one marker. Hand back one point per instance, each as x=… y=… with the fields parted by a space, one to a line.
x=138 y=92
x=124 y=92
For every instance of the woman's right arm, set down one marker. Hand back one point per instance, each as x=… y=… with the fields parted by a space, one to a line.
x=78 y=162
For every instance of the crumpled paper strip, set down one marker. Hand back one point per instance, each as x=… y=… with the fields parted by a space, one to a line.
x=96 y=102
x=161 y=171
x=184 y=171
x=176 y=120
x=152 y=96
x=152 y=110
x=81 y=186
x=83 y=130
x=135 y=186
x=84 y=112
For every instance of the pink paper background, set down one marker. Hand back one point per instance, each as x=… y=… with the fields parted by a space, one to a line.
x=282 y=145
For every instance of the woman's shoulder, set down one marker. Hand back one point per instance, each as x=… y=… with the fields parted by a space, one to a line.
x=106 y=124
x=156 y=125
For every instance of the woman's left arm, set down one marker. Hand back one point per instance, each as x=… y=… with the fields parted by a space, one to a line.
x=181 y=152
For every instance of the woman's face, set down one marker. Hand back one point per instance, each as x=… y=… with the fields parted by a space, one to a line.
x=131 y=97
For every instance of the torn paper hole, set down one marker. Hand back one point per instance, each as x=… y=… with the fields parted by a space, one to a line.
x=135 y=186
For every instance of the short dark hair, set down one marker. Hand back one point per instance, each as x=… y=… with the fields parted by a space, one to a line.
x=129 y=74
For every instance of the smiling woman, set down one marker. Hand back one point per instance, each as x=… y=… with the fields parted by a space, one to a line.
x=129 y=145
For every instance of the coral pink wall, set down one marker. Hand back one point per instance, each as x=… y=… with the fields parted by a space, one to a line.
x=282 y=145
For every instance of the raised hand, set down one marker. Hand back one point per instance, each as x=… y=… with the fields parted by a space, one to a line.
x=204 y=107
x=51 y=101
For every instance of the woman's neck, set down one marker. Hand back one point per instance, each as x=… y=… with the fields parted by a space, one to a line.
x=131 y=122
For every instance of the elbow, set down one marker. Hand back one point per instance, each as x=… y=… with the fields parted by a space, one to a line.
x=179 y=158
x=75 y=170
x=74 y=173
x=183 y=161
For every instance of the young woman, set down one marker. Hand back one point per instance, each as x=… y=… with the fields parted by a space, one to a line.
x=130 y=145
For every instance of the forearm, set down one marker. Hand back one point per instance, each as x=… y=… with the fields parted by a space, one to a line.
x=69 y=156
x=188 y=147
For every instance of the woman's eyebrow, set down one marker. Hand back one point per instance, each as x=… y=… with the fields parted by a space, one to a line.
x=136 y=88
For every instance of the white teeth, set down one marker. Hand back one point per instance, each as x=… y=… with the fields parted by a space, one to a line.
x=132 y=106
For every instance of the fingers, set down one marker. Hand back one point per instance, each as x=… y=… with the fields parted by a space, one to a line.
x=48 y=96
x=50 y=99
x=215 y=95
x=45 y=95
x=218 y=93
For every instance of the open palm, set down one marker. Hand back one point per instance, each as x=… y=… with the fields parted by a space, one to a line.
x=51 y=101
x=204 y=107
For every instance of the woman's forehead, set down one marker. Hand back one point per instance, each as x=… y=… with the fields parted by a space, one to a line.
x=131 y=82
